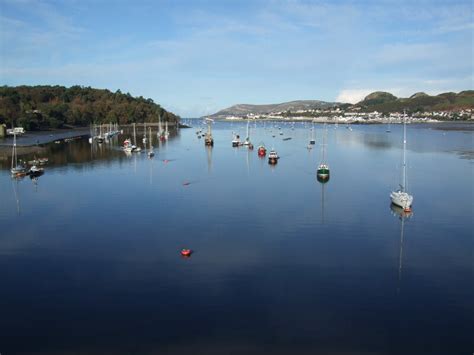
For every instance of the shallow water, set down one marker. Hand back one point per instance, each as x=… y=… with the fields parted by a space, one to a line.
x=282 y=264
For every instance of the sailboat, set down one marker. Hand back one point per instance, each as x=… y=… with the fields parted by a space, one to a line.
x=150 y=153
x=312 y=141
x=247 y=136
x=135 y=147
x=208 y=140
x=16 y=169
x=401 y=197
x=167 y=133
x=144 y=134
x=322 y=172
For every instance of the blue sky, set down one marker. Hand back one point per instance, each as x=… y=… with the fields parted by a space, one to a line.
x=196 y=57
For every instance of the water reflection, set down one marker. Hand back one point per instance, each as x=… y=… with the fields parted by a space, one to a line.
x=402 y=215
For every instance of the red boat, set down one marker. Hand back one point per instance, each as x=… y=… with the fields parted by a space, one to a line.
x=262 y=151
x=186 y=252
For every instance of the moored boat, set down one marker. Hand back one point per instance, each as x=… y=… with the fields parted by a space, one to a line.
x=322 y=172
x=273 y=157
x=401 y=197
x=262 y=151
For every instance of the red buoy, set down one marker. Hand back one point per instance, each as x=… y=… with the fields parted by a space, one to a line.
x=186 y=252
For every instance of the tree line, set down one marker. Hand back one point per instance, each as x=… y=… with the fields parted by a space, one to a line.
x=45 y=107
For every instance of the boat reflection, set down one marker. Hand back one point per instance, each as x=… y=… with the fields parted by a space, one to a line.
x=402 y=215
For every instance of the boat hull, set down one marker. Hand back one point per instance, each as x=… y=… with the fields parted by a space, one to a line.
x=402 y=199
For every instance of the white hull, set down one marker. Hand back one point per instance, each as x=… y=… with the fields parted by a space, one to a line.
x=401 y=199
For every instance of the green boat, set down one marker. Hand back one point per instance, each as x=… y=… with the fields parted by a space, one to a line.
x=322 y=173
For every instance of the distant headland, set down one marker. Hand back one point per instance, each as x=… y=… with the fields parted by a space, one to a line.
x=51 y=107
x=376 y=107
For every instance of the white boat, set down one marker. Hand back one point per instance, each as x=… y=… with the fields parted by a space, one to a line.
x=236 y=141
x=247 y=137
x=35 y=171
x=401 y=197
x=144 y=134
x=16 y=169
x=135 y=147
x=167 y=132
x=273 y=157
x=150 y=153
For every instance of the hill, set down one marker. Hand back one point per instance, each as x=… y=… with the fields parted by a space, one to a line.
x=244 y=109
x=419 y=102
x=44 y=107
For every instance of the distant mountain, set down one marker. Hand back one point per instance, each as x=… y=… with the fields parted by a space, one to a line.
x=244 y=109
x=386 y=102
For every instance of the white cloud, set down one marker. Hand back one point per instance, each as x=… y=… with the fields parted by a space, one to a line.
x=353 y=96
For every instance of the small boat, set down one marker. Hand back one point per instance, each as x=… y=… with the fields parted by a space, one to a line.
x=287 y=138
x=247 y=139
x=186 y=252
x=17 y=169
x=262 y=151
x=273 y=157
x=236 y=141
x=312 y=141
x=208 y=140
x=322 y=173
x=35 y=171
x=401 y=197
x=150 y=153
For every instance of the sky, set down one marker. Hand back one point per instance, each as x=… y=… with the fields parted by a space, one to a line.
x=197 y=57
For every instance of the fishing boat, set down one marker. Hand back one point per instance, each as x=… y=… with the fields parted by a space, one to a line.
x=150 y=153
x=273 y=157
x=261 y=151
x=401 y=197
x=16 y=169
x=208 y=140
x=322 y=172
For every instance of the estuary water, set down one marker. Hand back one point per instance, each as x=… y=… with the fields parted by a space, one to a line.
x=282 y=264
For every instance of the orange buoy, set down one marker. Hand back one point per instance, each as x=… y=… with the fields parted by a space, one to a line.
x=186 y=252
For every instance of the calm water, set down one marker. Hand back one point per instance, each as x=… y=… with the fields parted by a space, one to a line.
x=90 y=264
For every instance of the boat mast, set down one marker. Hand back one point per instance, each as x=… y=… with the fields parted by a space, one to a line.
x=404 y=153
x=149 y=130
x=14 y=159
x=247 y=136
x=324 y=145
x=134 y=134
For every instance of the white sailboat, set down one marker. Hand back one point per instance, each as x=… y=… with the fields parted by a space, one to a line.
x=247 y=136
x=16 y=169
x=144 y=134
x=401 y=197
x=150 y=153
x=135 y=147
x=167 y=133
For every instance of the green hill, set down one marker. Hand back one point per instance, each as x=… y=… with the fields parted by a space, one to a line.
x=419 y=102
x=43 y=107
